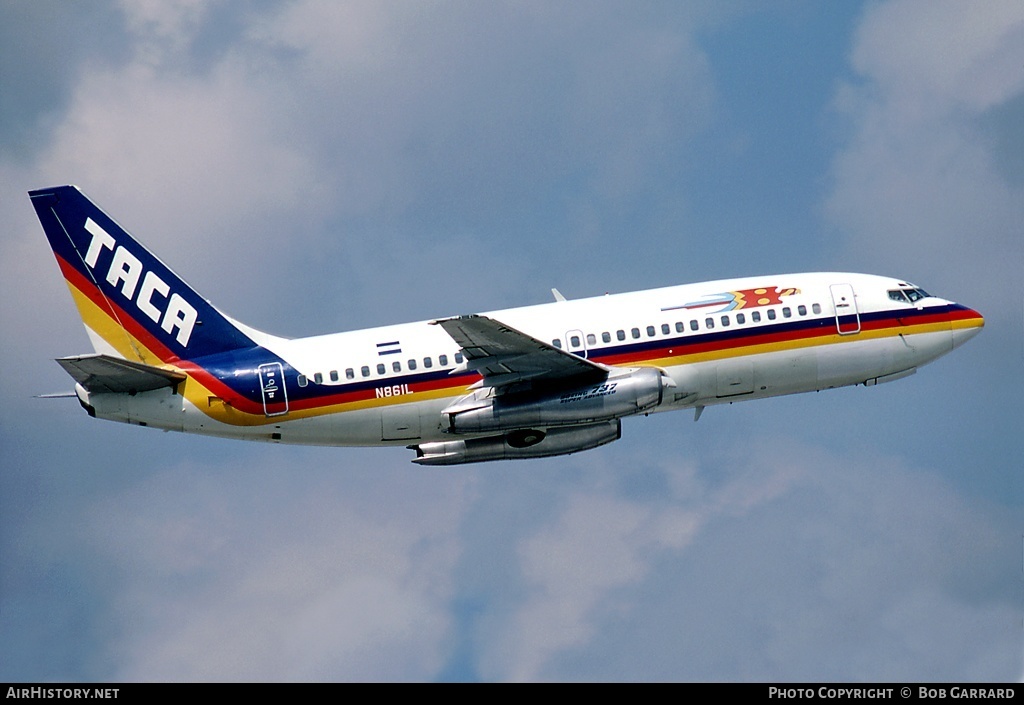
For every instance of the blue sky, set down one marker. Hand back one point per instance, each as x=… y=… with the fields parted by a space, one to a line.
x=320 y=166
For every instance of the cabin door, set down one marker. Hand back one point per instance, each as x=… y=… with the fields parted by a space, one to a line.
x=275 y=398
x=847 y=315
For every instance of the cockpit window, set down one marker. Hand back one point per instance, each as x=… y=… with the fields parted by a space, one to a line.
x=905 y=295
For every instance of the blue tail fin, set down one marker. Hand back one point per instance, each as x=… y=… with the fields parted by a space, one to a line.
x=131 y=303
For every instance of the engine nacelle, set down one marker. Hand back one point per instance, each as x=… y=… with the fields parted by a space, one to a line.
x=522 y=443
x=625 y=394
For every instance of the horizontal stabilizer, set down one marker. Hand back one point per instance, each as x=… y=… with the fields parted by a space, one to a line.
x=103 y=373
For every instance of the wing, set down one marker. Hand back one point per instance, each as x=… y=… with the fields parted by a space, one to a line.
x=505 y=356
x=103 y=373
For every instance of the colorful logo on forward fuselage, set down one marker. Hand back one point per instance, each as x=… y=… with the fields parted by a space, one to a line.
x=735 y=300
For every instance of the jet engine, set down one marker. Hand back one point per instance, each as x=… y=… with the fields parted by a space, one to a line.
x=521 y=443
x=624 y=394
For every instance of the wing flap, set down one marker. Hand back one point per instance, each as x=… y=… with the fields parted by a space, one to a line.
x=504 y=355
x=104 y=373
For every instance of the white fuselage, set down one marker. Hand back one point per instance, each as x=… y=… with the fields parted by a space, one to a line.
x=717 y=341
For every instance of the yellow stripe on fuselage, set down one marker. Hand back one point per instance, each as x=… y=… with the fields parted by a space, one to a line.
x=967 y=323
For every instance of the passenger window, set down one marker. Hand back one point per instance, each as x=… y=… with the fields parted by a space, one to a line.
x=591 y=339
x=620 y=334
x=428 y=363
x=442 y=360
x=709 y=323
x=364 y=371
x=412 y=364
x=786 y=313
x=334 y=375
x=679 y=326
x=740 y=319
x=606 y=337
x=755 y=316
x=635 y=332
x=350 y=373
x=396 y=366
x=816 y=308
x=557 y=343
x=725 y=321
x=650 y=331
x=574 y=341
x=318 y=378
x=802 y=310
x=665 y=330
x=302 y=380
x=458 y=358
x=771 y=314
x=380 y=368
x=694 y=325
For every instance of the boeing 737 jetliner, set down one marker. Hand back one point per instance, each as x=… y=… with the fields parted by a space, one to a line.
x=525 y=382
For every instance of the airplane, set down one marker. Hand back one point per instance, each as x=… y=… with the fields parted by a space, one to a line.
x=529 y=382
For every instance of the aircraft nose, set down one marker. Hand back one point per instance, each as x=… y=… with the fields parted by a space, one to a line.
x=966 y=326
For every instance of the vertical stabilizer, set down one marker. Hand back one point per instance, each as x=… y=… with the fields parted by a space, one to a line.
x=132 y=304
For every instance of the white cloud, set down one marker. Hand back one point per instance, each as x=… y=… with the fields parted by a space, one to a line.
x=162 y=29
x=597 y=546
x=594 y=558
x=257 y=570
x=930 y=56
x=196 y=161
x=796 y=563
x=917 y=188
x=360 y=38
